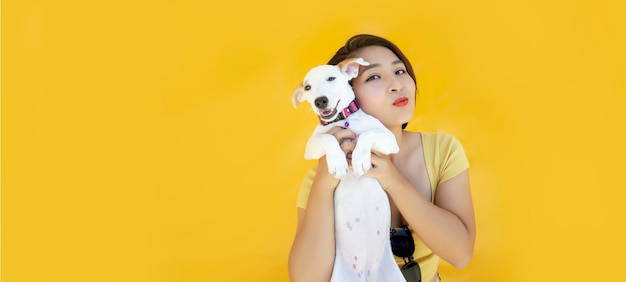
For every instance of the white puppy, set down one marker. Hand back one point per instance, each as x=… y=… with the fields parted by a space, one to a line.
x=362 y=212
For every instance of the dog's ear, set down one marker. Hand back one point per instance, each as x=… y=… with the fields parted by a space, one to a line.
x=351 y=66
x=296 y=96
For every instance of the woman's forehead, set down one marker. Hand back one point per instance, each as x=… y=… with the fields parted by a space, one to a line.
x=376 y=54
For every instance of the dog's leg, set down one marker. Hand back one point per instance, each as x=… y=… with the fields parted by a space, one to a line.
x=381 y=141
x=326 y=144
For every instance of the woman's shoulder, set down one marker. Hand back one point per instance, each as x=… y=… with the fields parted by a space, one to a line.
x=445 y=152
x=436 y=138
x=442 y=146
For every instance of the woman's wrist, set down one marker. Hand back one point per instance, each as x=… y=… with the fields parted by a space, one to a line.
x=323 y=177
x=395 y=184
x=326 y=180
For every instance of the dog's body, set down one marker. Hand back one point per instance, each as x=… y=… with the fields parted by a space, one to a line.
x=362 y=211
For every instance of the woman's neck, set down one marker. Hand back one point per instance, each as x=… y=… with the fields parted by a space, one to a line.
x=398 y=132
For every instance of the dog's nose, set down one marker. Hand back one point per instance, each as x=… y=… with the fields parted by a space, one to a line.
x=321 y=102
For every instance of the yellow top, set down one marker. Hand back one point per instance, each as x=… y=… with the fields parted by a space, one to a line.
x=445 y=159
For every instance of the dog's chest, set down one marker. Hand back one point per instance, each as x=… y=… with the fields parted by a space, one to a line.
x=361 y=206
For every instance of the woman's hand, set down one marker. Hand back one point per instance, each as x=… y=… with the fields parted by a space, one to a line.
x=346 y=139
x=385 y=171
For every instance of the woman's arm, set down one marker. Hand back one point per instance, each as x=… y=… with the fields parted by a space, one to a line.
x=447 y=227
x=312 y=254
x=313 y=251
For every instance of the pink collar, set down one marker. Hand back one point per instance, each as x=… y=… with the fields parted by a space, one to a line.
x=346 y=112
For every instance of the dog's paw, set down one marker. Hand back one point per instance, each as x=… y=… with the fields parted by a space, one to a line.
x=361 y=161
x=337 y=165
x=390 y=148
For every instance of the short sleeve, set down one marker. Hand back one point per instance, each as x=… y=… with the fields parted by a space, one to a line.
x=452 y=158
x=305 y=188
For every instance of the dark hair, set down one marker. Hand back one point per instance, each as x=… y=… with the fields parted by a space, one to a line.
x=361 y=41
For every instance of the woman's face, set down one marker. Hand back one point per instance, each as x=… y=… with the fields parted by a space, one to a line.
x=384 y=89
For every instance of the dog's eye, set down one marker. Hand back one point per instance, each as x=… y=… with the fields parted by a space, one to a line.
x=331 y=78
x=307 y=88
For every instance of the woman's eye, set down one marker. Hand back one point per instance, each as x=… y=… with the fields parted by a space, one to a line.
x=372 y=77
x=400 y=72
x=307 y=88
x=330 y=78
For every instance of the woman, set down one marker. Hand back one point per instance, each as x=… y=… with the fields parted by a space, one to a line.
x=427 y=181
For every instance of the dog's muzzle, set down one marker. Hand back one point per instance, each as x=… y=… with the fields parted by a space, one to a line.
x=324 y=112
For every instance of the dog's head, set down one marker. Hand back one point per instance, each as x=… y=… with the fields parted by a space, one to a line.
x=327 y=88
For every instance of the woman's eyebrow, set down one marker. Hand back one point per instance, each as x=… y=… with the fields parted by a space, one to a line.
x=370 y=66
x=365 y=68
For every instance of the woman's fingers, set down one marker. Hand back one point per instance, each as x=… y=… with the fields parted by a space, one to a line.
x=348 y=145
x=341 y=133
x=376 y=158
x=346 y=139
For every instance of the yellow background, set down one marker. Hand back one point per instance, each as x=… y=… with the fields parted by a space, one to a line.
x=156 y=140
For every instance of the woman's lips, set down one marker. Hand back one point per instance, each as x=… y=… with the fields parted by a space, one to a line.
x=401 y=102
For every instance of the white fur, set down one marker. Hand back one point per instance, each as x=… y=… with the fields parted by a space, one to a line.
x=362 y=211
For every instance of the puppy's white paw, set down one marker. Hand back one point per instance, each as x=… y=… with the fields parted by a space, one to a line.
x=361 y=161
x=337 y=165
x=390 y=148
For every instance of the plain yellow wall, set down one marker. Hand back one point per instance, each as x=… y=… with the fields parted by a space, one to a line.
x=156 y=140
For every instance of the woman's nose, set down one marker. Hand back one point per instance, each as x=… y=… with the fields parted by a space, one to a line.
x=394 y=85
